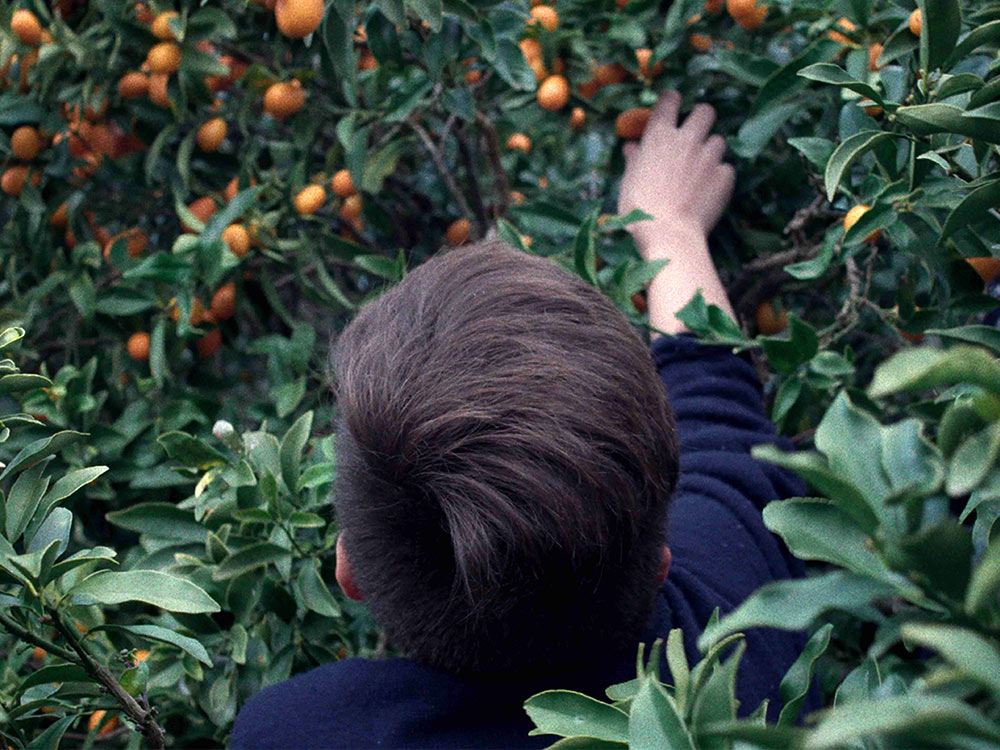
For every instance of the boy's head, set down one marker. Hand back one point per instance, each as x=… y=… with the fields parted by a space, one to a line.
x=505 y=456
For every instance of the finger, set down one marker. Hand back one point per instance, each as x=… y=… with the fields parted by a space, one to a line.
x=629 y=150
x=699 y=123
x=665 y=111
x=713 y=150
x=726 y=175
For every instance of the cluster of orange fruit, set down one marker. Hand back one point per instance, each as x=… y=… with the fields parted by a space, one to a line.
x=311 y=198
x=221 y=308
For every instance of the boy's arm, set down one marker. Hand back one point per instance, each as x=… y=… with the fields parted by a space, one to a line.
x=676 y=174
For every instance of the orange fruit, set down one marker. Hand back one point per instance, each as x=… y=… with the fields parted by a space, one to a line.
x=309 y=199
x=138 y=349
x=233 y=187
x=141 y=654
x=351 y=210
x=620 y=4
x=987 y=267
x=342 y=184
x=298 y=18
x=133 y=85
x=196 y=317
x=714 y=6
x=25 y=26
x=519 y=142
x=203 y=209
x=223 y=305
x=458 y=231
x=143 y=14
x=701 y=42
x=770 y=321
x=284 y=98
x=874 y=53
x=237 y=239
x=38 y=653
x=844 y=24
x=631 y=123
x=587 y=89
x=97 y=718
x=161 y=26
x=577 y=118
x=12 y=181
x=473 y=76
x=164 y=57
x=639 y=302
x=747 y=13
x=60 y=218
x=553 y=94
x=916 y=22
x=874 y=111
x=158 y=89
x=531 y=49
x=26 y=143
x=610 y=73
x=209 y=344
x=517 y=197
x=526 y=240
x=852 y=216
x=643 y=57
x=135 y=240
x=27 y=63
x=546 y=16
x=211 y=134
x=367 y=60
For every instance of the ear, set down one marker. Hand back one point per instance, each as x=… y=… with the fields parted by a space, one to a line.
x=661 y=576
x=345 y=573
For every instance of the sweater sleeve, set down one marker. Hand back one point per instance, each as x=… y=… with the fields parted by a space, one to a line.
x=721 y=549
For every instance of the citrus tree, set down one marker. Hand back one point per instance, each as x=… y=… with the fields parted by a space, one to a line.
x=198 y=195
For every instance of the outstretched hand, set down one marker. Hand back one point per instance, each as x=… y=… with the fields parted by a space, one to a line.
x=676 y=174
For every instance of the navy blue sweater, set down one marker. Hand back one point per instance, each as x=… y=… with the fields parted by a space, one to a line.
x=721 y=553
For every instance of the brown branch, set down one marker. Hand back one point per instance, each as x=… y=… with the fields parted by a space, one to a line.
x=438 y=159
x=143 y=717
x=465 y=151
x=493 y=156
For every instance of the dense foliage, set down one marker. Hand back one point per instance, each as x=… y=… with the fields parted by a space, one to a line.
x=195 y=204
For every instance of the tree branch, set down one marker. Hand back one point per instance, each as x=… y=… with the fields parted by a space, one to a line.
x=465 y=150
x=438 y=159
x=493 y=156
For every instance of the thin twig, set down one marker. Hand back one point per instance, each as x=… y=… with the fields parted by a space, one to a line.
x=446 y=175
x=493 y=156
x=465 y=150
x=17 y=631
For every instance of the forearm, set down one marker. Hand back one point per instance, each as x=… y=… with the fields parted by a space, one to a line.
x=690 y=269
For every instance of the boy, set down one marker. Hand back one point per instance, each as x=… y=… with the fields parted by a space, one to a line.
x=506 y=453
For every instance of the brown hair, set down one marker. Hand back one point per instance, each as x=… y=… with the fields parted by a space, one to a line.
x=505 y=456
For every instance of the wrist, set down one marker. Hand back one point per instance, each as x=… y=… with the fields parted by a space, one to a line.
x=667 y=238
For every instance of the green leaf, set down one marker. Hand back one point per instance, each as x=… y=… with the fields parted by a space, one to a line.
x=22 y=381
x=974 y=655
x=190 y=451
x=655 y=721
x=974 y=207
x=161 y=520
x=56 y=527
x=69 y=483
x=816 y=150
x=851 y=439
x=987 y=336
x=796 y=604
x=928 y=119
x=679 y=670
x=337 y=35
x=232 y=212
x=786 y=81
x=23 y=500
x=813 y=468
x=939 y=556
x=55 y=673
x=921 y=368
x=985 y=580
x=988 y=33
x=847 y=153
x=314 y=593
x=941 y=27
x=817 y=529
x=40 y=449
x=510 y=64
x=834 y=74
x=915 y=720
x=52 y=736
x=428 y=10
x=716 y=701
x=972 y=460
x=150 y=586
x=249 y=558
x=156 y=633
x=795 y=684
x=568 y=714
x=292 y=445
